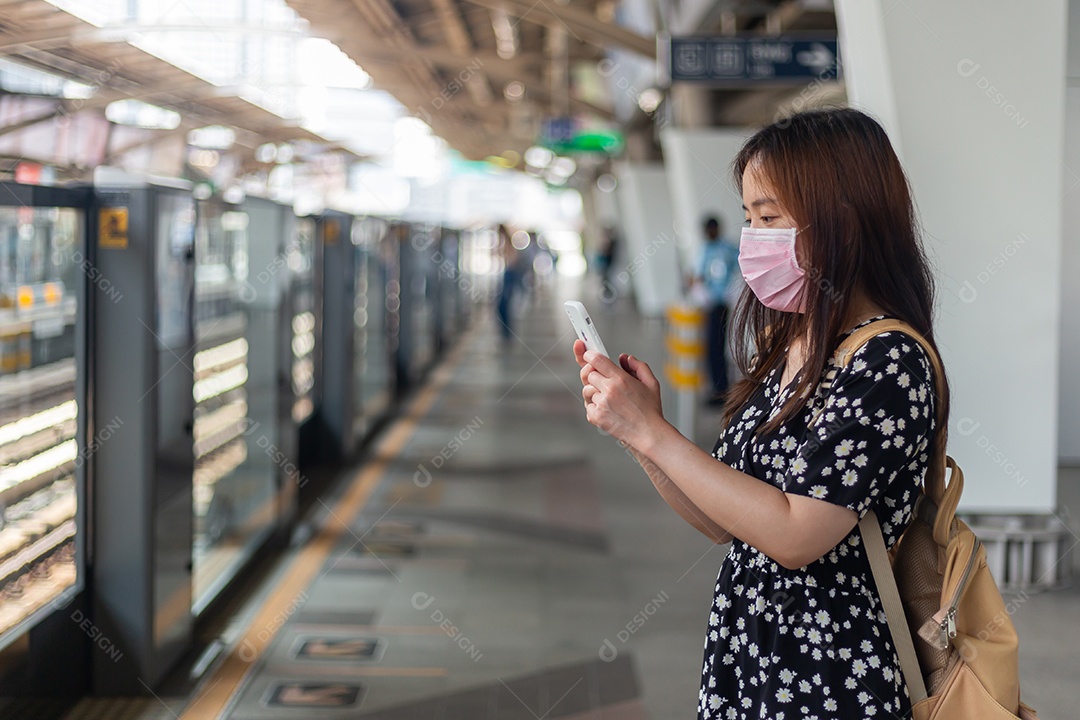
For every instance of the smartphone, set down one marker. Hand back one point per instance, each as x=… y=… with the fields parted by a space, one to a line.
x=583 y=326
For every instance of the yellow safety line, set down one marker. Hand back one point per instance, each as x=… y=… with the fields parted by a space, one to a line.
x=218 y=690
x=375 y=671
x=381 y=629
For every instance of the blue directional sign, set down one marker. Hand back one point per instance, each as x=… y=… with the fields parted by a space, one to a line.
x=557 y=130
x=724 y=59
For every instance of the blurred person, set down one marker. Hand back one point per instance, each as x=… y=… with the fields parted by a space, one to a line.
x=807 y=447
x=528 y=248
x=605 y=260
x=717 y=268
x=516 y=266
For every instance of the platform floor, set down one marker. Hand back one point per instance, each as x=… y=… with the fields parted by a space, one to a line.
x=499 y=558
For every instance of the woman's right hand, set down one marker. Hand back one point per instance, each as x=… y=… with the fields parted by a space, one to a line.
x=622 y=400
x=635 y=368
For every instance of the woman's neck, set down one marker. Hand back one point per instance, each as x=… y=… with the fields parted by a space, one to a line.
x=861 y=309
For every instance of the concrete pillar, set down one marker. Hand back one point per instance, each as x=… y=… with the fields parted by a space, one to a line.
x=974 y=100
x=651 y=262
x=692 y=105
x=1069 y=430
x=699 y=176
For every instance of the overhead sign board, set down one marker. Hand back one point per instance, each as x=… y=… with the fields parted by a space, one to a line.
x=725 y=59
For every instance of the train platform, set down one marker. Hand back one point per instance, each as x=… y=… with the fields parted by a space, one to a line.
x=496 y=557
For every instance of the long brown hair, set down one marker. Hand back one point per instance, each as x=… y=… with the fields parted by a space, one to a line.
x=835 y=172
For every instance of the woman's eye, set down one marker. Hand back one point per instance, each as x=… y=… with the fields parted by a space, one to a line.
x=746 y=222
x=767 y=218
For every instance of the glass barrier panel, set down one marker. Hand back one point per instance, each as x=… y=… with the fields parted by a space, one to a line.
x=234 y=484
x=373 y=383
x=301 y=262
x=40 y=258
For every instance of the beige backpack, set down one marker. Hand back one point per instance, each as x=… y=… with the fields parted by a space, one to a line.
x=950 y=626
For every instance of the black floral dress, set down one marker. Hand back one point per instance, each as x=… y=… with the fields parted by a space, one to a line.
x=813 y=642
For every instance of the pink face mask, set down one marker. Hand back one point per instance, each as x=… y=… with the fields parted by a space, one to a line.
x=768 y=263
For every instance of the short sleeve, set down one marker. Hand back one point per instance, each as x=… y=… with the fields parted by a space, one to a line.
x=702 y=261
x=874 y=426
x=732 y=257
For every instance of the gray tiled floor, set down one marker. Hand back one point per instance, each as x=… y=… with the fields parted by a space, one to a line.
x=508 y=543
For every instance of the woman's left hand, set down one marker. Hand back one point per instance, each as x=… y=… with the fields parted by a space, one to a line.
x=622 y=401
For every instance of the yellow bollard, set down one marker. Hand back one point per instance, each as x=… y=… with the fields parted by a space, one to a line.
x=686 y=349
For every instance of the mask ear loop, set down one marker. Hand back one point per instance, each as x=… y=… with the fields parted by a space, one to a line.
x=794 y=248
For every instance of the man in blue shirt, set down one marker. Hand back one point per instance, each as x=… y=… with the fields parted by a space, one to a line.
x=717 y=272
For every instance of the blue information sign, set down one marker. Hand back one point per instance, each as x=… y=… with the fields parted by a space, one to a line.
x=557 y=130
x=747 y=60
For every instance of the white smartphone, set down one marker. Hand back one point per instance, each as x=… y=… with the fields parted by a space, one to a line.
x=583 y=326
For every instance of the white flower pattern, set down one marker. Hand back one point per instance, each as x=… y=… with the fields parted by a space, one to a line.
x=770 y=627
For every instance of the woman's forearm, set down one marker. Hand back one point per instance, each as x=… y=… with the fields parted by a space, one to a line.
x=787 y=528
x=678 y=501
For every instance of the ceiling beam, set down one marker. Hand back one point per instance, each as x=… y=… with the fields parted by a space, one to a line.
x=60 y=108
x=458 y=109
x=524 y=69
x=459 y=40
x=781 y=18
x=156 y=137
x=189 y=91
x=488 y=62
x=15 y=42
x=581 y=24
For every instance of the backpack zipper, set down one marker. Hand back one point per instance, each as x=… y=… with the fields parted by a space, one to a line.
x=947 y=623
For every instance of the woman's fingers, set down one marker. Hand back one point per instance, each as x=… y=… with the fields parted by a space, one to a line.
x=579 y=352
x=642 y=372
x=588 y=392
x=601 y=363
x=599 y=381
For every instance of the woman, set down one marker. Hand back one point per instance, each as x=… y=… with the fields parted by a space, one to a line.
x=797 y=629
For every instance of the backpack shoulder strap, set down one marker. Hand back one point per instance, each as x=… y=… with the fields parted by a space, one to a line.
x=853 y=342
x=934 y=482
x=881 y=568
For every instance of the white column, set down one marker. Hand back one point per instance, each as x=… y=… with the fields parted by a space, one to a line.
x=974 y=96
x=699 y=175
x=1069 y=431
x=651 y=262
